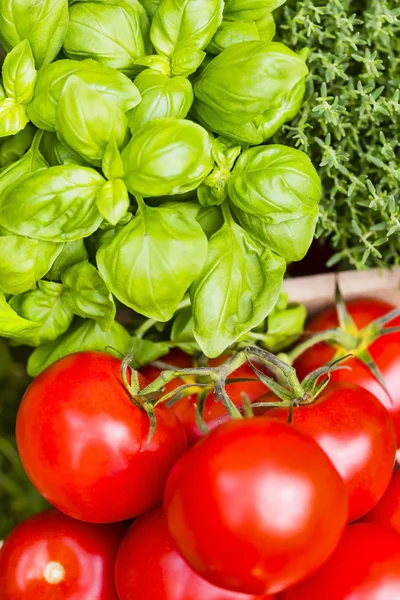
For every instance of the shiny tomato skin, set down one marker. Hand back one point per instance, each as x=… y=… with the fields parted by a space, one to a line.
x=385 y=351
x=53 y=557
x=255 y=506
x=214 y=413
x=387 y=511
x=364 y=566
x=357 y=433
x=149 y=566
x=83 y=443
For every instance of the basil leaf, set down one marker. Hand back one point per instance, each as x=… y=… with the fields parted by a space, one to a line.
x=279 y=189
x=167 y=156
x=238 y=287
x=2 y=93
x=266 y=27
x=151 y=6
x=58 y=204
x=152 y=261
x=145 y=351
x=232 y=32
x=58 y=153
x=162 y=96
x=24 y=262
x=14 y=147
x=180 y=23
x=88 y=295
x=13 y=117
x=115 y=33
x=249 y=9
x=111 y=85
x=210 y=219
x=29 y=163
x=284 y=328
x=12 y=325
x=182 y=332
x=186 y=61
x=47 y=307
x=71 y=254
x=86 y=122
x=239 y=85
x=19 y=73
x=113 y=201
x=83 y=336
x=112 y=165
x=161 y=64
x=43 y=23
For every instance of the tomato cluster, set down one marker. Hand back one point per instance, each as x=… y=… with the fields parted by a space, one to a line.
x=297 y=501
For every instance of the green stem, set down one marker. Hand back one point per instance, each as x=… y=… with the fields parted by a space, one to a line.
x=289 y=372
x=330 y=336
x=144 y=327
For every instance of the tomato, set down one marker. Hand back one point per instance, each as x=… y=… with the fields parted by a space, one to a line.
x=214 y=413
x=255 y=506
x=364 y=566
x=385 y=351
x=387 y=511
x=53 y=557
x=357 y=433
x=83 y=443
x=149 y=566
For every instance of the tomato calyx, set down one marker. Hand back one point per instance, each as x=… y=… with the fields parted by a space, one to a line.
x=349 y=338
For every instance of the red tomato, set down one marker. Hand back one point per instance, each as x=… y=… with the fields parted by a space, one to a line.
x=83 y=443
x=149 y=566
x=385 y=351
x=387 y=511
x=255 y=506
x=364 y=566
x=357 y=433
x=52 y=557
x=214 y=413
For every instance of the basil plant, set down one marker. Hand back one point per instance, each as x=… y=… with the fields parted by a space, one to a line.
x=135 y=181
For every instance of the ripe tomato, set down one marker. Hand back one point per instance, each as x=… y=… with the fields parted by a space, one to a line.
x=387 y=511
x=255 y=506
x=364 y=566
x=357 y=433
x=83 y=443
x=214 y=413
x=149 y=566
x=52 y=557
x=385 y=352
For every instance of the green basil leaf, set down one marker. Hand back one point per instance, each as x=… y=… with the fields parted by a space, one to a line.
x=43 y=23
x=115 y=33
x=12 y=325
x=260 y=74
x=113 y=201
x=58 y=153
x=47 y=307
x=266 y=27
x=84 y=336
x=2 y=93
x=161 y=64
x=167 y=156
x=238 y=287
x=249 y=9
x=182 y=332
x=112 y=165
x=179 y=23
x=284 y=327
x=111 y=85
x=13 y=117
x=29 y=163
x=186 y=61
x=152 y=261
x=279 y=186
x=14 y=147
x=232 y=32
x=150 y=6
x=210 y=194
x=71 y=254
x=19 y=73
x=58 y=204
x=86 y=122
x=162 y=96
x=88 y=294
x=145 y=351
x=24 y=262
x=210 y=219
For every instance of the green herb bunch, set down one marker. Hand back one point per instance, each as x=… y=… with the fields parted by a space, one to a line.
x=349 y=122
x=135 y=174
